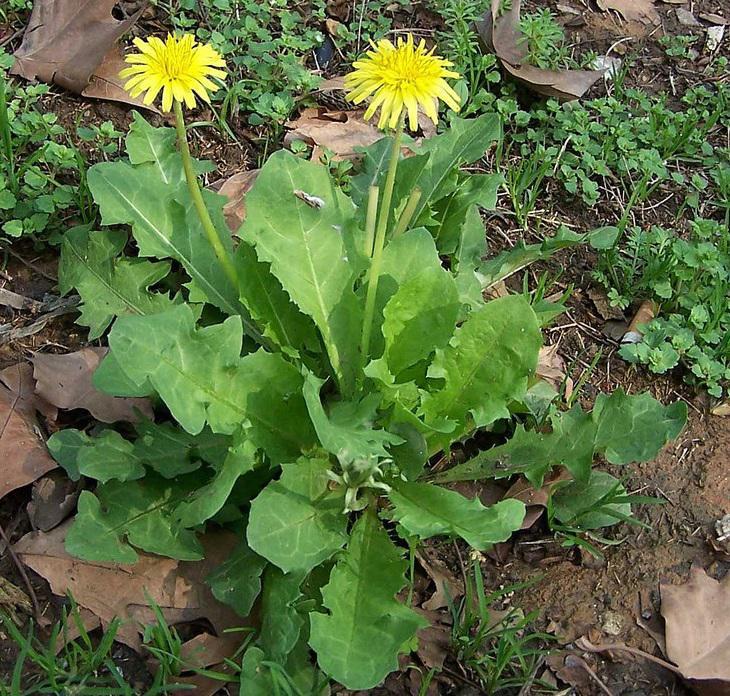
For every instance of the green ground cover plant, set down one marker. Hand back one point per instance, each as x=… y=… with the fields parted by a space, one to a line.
x=286 y=423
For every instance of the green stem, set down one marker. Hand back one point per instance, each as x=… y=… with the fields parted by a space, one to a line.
x=7 y=136
x=371 y=216
x=374 y=272
x=196 y=194
x=407 y=215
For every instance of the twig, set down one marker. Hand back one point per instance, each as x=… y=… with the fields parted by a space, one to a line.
x=585 y=644
x=24 y=576
x=30 y=264
x=582 y=663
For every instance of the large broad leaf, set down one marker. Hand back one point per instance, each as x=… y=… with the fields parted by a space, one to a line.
x=270 y=307
x=164 y=448
x=296 y=522
x=109 y=284
x=140 y=511
x=486 y=365
x=419 y=318
x=624 y=428
x=199 y=374
x=304 y=241
x=143 y=193
x=281 y=622
x=237 y=581
x=209 y=499
x=451 y=212
x=464 y=142
x=348 y=430
x=425 y=510
x=358 y=641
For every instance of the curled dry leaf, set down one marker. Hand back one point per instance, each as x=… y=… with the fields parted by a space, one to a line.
x=111 y=590
x=500 y=33
x=53 y=500
x=447 y=585
x=66 y=382
x=72 y=43
x=697 y=616
x=339 y=131
x=642 y=11
x=535 y=499
x=235 y=189
x=22 y=450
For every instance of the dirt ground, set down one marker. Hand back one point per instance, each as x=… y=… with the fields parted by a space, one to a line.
x=611 y=600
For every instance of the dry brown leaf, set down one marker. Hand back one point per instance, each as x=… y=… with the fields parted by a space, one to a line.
x=19 y=379
x=23 y=452
x=714 y=18
x=686 y=18
x=434 y=641
x=501 y=34
x=633 y=10
x=53 y=500
x=697 y=616
x=721 y=409
x=105 y=82
x=66 y=40
x=235 y=189
x=448 y=586
x=550 y=366
x=535 y=499
x=338 y=131
x=65 y=381
x=110 y=590
x=603 y=305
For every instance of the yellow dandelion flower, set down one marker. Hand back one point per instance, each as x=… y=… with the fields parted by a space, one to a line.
x=180 y=67
x=402 y=77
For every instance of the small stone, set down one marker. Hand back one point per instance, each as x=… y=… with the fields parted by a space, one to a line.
x=612 y=623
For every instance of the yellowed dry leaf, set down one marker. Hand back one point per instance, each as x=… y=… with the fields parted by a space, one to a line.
x=642 y=11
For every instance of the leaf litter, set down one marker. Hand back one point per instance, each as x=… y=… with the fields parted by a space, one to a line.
x=500 y=34
x=73 y=44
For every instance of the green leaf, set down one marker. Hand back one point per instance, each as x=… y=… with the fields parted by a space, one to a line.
x=425 y=510
x=199 y=374
x=109 y=456
x=486 y=365
x=108 y=285
x=64 y=447
x=305 y=246
x=633 y=428
x=142 y=193
x=451 y=212
x=588 y=505
x=209 y=499
x=358 y=641
x=472 y=244
x=508 y=262
x=465 y=141
x=139 y=510
x=281 y=622
x=419 y=318
x=347 y=431
x=624 y=428
x=297 y=521
x=237 y=581
x=271 y=308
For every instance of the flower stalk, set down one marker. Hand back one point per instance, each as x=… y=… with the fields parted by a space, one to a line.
x=224 y=257
x=379 y=244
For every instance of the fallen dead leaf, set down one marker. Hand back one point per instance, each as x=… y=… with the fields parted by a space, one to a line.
x=550 y=366
x=105 y=82
x=535 y=499
x=715 y=35
x=722 y=409
x=65 y=381
x=66 y=41
x=714 y=18
x=341 y=132
x=447 y=586
x=235 y=189
x=19 y=379
x=686 y=18
x=110 y=590
x=22 y=448
x=53 y=499
x=501 y=34
x=603 y=305
x=697 y=616
x=434 y=641
x=642 y=11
